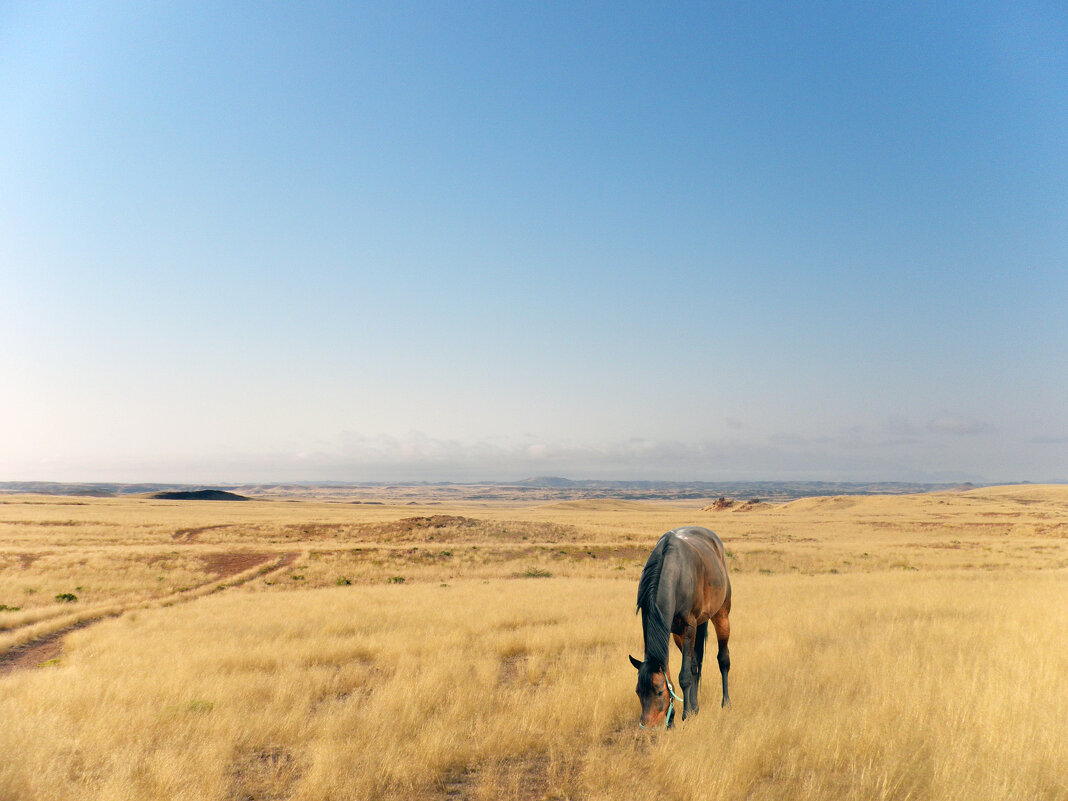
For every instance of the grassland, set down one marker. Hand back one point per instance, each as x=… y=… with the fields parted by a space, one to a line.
x=906 y=647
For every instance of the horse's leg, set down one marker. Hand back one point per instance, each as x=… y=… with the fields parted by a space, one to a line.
x=721 y=622
x=698 y=661
x=680 y=643
x=686 y=682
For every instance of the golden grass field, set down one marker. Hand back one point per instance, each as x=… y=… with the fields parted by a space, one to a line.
x=887 y=647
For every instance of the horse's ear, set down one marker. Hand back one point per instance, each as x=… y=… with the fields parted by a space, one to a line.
x=635 y=662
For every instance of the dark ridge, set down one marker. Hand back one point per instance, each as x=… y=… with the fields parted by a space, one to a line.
x=198 y=495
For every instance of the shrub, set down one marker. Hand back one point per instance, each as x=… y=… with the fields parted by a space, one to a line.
x=342 y=581
x=67 y=597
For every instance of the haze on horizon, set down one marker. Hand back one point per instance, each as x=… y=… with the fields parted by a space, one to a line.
x=417 y=241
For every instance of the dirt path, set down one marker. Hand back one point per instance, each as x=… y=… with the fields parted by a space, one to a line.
x=225 y=565
x=36 y=652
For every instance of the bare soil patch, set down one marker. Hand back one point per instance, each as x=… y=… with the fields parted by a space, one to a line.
x=458 y=783
x=191 y=534
x=434 y=521
x=512 y=667
x=42 y=523
x=263 y=774
x=224 y=565
x=521 y=778
x=27 y=559
x=453 y=528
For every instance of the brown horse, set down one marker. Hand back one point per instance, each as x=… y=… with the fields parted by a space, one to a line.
x=684 y=585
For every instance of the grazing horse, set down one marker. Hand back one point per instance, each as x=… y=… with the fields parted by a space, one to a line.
x=684 y=585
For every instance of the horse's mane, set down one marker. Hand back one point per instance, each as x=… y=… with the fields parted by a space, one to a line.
x=654 y=626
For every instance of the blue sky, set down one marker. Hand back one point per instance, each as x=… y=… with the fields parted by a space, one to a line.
x=267 y=242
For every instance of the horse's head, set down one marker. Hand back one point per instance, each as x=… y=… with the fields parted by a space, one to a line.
x=655 y=693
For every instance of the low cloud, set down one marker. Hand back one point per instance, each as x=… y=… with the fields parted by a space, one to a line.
x=949 y=449
x=958 y=426
x=855 y=453
x=417 y=455
x=898 y=426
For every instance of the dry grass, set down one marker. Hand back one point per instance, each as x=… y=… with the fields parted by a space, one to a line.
x=883 y=648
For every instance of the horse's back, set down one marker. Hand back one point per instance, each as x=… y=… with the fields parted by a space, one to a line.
x=708 y=559
x=703 y=540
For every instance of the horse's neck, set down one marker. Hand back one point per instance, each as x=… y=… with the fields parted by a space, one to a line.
x=665 y=593
x=657 y=635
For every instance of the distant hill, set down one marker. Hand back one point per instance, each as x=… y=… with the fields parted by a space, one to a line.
x=738 y=490
x=547 y=481
x=198 y=495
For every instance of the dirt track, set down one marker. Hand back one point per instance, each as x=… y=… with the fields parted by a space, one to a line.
x=37 y=652
x=44 y=649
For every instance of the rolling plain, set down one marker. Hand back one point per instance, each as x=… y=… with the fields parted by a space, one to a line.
x=883 y=647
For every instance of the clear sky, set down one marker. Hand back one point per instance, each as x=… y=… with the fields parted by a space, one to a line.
x=458 y=240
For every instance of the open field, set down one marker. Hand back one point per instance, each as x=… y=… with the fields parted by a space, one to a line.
x=905 y=647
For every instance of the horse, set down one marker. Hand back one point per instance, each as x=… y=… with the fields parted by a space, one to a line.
x=683 y=586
